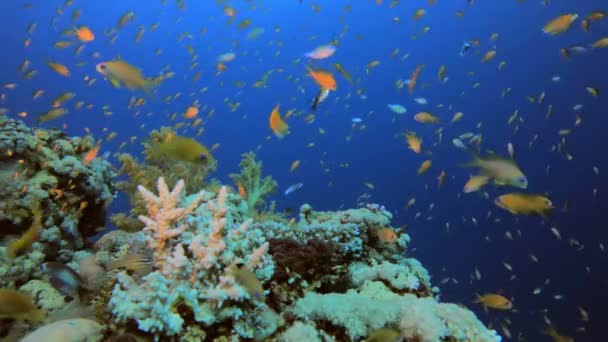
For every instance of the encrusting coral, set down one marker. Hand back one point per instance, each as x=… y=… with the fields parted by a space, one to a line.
x=45 y=169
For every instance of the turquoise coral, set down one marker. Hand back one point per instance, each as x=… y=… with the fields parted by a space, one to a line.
x=44 y=168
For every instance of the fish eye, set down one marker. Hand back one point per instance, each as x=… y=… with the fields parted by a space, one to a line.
x=202 y=156
x=102 y=66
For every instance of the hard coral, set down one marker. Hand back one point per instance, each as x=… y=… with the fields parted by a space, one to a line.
x=250 y=178
x=45 y=169
x=195 y=247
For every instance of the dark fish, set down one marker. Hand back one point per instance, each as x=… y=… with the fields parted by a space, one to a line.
x=464 y=50
x=63 y=278
x=248 y=280
x=321 y=96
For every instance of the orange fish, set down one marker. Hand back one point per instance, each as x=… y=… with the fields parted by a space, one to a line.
x=84 y=34
x=324 y=78
x=92 y=154
x=242 y=191
x=278 y=126
x=221 y=67
x=191 y=112
x=414 y=78
x=229 y=11
x=424 y=167
x=413 y=141
x=387 y=235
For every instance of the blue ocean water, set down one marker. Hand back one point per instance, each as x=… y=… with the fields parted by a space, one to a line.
x=571 y=270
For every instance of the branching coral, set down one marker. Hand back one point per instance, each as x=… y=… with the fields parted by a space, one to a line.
x=250 y=178
x=196 y=241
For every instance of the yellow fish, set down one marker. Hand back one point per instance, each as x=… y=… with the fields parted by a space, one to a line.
x=424 y=167
x=294 y=165
x=475 y=183
x=179 y=148
x=119 y=71
x=59 y=68
x=518 y=203
x=343 y=72
x=426 y=117
x=489 y=56
x=503 y=171
x=16 y=305
x=601 y=43
x=557 y=337
x=52 y=114
x=560 y=24
x=494 y=301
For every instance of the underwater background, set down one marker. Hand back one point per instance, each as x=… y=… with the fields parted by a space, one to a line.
x=345 y=163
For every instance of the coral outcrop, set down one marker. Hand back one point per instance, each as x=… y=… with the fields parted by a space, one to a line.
x=45 y=170
x=327 y=276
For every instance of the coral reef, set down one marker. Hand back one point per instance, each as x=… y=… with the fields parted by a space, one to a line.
x=326 y=277
x=45 y=169
x=208 y=265
x=254 y=187
x=146 y=173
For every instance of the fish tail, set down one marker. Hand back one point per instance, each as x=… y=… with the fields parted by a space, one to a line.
x=545 y=215
x=37 y=315
x=149 y=86
x=477 y=298
x=473 y=163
